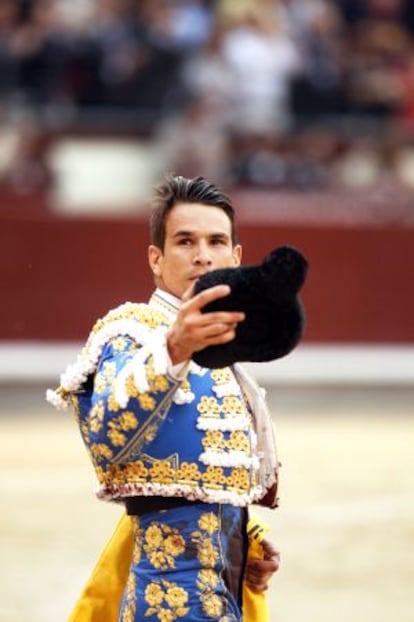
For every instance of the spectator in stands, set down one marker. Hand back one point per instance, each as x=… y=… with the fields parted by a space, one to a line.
x=317 y=90
x=263 y=59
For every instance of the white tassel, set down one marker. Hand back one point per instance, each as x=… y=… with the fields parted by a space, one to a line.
x=228 y=424
x=230 y=388
x=183 y=397
x=229 y=459
x=57 y=400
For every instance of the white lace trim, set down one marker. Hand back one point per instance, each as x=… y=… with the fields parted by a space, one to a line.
x=229 y=388
x=183 y=397
x=152 y=341
x=197 y=370
x=227 y=424
x=229 y=459
x=205 y=494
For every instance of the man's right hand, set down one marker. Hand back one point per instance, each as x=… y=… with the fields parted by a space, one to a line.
x=193 y=330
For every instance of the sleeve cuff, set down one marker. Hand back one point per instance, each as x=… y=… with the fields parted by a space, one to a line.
x=178 y=371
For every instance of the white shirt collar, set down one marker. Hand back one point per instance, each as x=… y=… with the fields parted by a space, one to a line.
x=166 y=302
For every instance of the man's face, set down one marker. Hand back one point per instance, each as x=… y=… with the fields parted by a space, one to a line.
x=197 y=240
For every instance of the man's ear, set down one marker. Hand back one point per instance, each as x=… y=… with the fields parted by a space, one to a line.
x=155 y=257
x=237 y=255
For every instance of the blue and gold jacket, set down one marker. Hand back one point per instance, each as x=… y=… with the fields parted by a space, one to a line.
x=151 y=432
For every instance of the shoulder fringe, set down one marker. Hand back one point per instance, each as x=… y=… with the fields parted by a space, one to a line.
x=193 y=493
x=151 y=339
x=152 y=344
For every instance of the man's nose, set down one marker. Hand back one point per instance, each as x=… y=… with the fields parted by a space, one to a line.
x=202 y=255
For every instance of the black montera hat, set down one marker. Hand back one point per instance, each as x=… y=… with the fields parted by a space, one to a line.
x=268 y=295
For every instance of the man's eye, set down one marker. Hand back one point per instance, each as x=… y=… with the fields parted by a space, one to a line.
x=184 y=242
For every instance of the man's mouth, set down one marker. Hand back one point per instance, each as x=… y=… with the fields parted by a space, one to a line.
x=194 y=277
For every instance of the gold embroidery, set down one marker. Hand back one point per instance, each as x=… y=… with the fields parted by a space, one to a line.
x=232 y=405
x=160 y=383
x=189 y=473
x=150 y=433
x=146 y=401
x=119 y=344
x=100 y=383
x=213 y=475
x=212 y=605
x=128 y=613
x=208 y=554
x=131 y=389
x=213 y=438
x=139 y=312
x=157 y=382
x=75 y=405
x=96 y=417
x=157 y=593
x=162 y=472
x=112 y=404
x=209 y=523
x=239 y=441
x=154 y=594
x=100 y=450
x=239 y=478
x=162 y=545
x=128 y=420
x=209 y=406
x=109 y=370
x=222 y=376
x=118 y=425
x=207 y=580
x=115 y=436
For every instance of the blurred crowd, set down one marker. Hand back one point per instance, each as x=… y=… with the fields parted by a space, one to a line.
x=272 y=93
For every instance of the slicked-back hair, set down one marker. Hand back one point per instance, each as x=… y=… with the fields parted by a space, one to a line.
x=176 y=189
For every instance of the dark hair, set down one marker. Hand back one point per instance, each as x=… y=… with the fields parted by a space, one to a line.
x=176 y=189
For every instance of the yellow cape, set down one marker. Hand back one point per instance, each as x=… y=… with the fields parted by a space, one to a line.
x=101 y=597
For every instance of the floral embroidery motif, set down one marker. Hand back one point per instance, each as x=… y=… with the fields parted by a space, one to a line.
x=159 y=594
x=238 y=441
x=209 y=523
x=129 y=606
x=209 y=406
x=214 y=438
x=232 y=406
x=146 y=401
x=222 y=376
x=119 y=344
x=208 y=556
x=214 y=475
x=239 y=478
x=207 y=580
x=96 y=417
x=162 y=472
x=118 y=425
x=100 y=450
x=100 y=383
x=188 y=472
x=162 y=545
